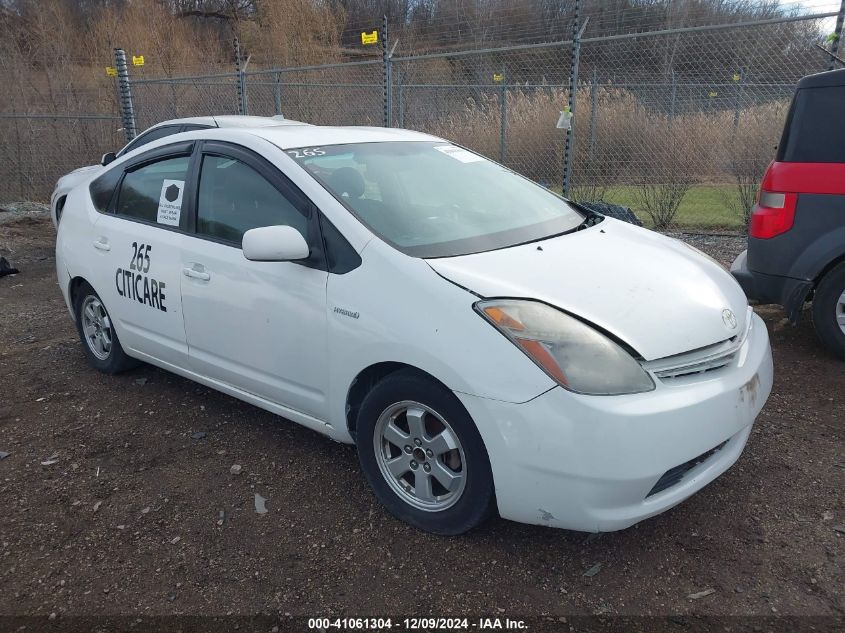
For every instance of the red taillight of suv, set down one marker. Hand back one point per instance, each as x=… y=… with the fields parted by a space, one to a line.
x=773 y=214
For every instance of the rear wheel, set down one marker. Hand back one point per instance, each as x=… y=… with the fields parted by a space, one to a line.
x=99 y=339
x=829 y=310
x=423 y=455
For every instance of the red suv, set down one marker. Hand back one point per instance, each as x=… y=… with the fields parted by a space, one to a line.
x=796 y=238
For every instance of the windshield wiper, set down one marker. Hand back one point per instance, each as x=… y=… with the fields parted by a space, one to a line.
x=591 y=218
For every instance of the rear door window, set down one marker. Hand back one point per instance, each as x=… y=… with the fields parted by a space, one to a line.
x=815 y=132
x=154 y=192
x=102 y=189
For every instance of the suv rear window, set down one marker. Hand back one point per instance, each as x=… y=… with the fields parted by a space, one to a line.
x=815 y=132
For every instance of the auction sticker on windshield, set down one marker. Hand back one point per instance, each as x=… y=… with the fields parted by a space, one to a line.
x=458 y=153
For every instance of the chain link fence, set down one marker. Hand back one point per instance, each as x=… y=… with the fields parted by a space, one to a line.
x=157 y=100
x=677 y=124
x=699 y=118
x=335 y=94
x=37 y=149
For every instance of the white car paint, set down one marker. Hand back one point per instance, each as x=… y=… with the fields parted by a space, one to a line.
x=292 y=339
x=638 y=282
x=83 y=174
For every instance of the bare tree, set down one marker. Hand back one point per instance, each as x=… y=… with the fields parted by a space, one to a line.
x=667 y=172
x=748 y=151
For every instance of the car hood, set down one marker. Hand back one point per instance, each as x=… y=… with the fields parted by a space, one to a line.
x=653 y=292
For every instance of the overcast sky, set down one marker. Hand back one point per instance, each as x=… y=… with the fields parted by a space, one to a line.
x=817 y=6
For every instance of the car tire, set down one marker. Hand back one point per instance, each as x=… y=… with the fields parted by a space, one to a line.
x=96 y=332
x=423 y=456
x=829 y=310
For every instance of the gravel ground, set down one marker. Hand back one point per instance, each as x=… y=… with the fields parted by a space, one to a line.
x=117 y=497
x=13 y=211
x=723 y=247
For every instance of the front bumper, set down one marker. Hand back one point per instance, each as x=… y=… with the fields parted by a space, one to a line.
x=589 y=462
x=762 y=288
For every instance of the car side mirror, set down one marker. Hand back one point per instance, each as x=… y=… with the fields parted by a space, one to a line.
x=107 y=158
x=274 y=244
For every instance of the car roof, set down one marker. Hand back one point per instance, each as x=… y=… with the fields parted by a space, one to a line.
x=823 y=80
x=231 y=120
x=288 y=137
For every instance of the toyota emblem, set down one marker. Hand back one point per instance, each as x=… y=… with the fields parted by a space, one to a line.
x=729 y=319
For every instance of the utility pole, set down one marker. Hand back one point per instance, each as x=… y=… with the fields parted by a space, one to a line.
x=124 y=91
x=241 y=87
x=573 y=89
x=387 y=92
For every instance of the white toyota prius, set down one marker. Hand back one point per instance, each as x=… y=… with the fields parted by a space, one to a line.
x=487 y=345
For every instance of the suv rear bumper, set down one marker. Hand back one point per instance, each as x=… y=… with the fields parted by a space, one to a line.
x=783 y=291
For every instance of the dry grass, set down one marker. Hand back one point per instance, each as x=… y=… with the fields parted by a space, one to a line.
x=659 y=156
x=747 y=152
x=54 y=64
x=50 y=64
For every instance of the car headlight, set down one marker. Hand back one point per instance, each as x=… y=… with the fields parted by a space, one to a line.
x=575 y=355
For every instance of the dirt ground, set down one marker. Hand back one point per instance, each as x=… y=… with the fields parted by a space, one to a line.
x=112 y=495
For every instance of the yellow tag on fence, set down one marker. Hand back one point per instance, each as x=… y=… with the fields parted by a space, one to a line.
x=737 y=77
x=111 y=71
x=712 y=93
x=137 y=60
x=369 y=38
x=498 y=77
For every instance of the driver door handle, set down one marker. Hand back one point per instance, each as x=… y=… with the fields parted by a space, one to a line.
x=102 y=244
x=196 y=272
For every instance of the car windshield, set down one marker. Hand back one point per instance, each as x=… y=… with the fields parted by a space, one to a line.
x=433 y=199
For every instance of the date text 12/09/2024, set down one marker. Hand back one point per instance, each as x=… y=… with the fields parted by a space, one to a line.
x=416 y=624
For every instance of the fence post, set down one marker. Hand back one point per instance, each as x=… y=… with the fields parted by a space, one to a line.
x=401 y=92
x=738 y=98
x=174 y=106
x=241 y=86
x=834 y=46
x=124 y=89
x=573 y=89
x=594 y=91
x=387 y=95
x=673 y=96
x=277 y=93
x=503 y=126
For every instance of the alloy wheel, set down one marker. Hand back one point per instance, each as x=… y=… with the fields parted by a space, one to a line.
x=97 y=327
x=420 y=456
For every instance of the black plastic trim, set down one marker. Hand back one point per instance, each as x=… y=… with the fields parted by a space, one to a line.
x=317 y=258
x=175 y=150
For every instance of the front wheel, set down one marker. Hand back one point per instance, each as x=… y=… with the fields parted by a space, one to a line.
x=96 y=330
x=829 y=310
x=423 y=455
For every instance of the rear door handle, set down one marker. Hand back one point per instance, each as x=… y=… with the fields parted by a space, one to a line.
x=102 y=244
x=195 y=273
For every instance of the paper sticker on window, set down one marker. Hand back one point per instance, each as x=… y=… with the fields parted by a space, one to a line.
x=458 y=153
x=170 y=202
